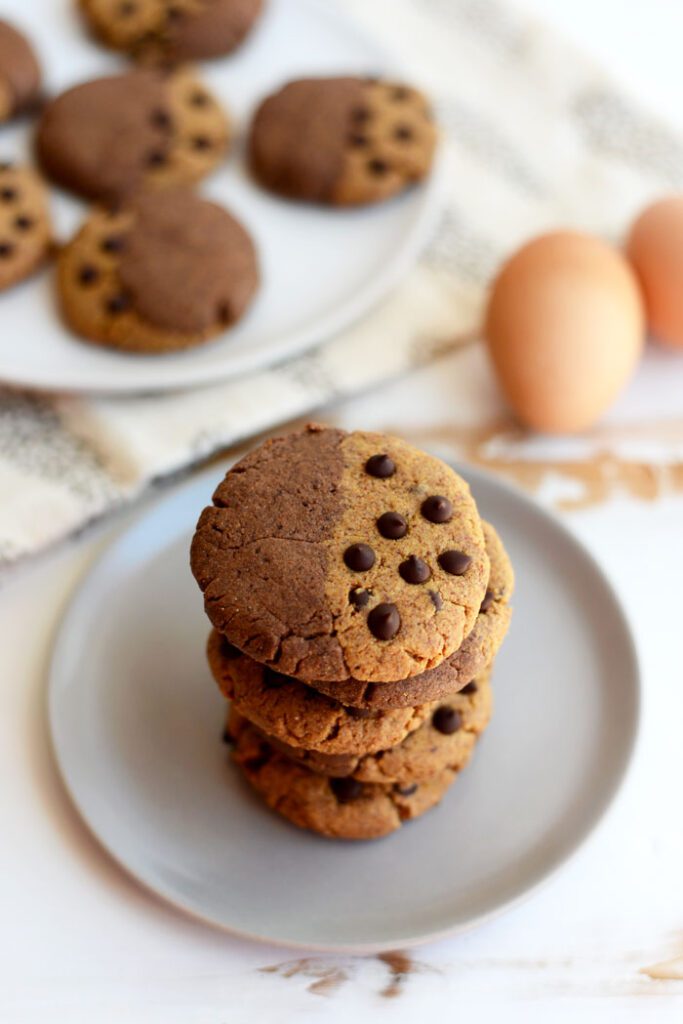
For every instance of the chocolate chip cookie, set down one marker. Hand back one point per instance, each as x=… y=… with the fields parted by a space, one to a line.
x=344 y=141
x=246 y=682
x=20 y=75
x=165 y=271
x=172 y=30
x=445 y=739
x=297 y=715
x=25 y=225
x=333 y=556
x=476 y=652
x=339 y=808
x=106 y=138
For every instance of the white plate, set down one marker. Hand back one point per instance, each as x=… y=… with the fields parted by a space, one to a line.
x=136 y=723
x=321 y=269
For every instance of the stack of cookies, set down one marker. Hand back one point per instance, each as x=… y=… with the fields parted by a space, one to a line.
x=357 y=602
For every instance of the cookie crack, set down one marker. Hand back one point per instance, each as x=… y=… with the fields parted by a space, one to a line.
x=333 y=732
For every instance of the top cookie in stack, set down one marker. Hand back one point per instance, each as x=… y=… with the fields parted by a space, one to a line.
x=334 y=556
x=353 y=590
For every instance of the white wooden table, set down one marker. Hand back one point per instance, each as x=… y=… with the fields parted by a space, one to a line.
x=80 y=942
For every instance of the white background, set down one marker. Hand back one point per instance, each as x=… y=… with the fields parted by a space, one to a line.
x=79 y=942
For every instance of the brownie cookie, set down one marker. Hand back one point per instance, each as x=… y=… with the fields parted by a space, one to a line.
x=25 y=225
x=445 y=739
x=339 y=808
x=166 y=271
x=294 y=713
x=20 y=77
x=344 y=141
x=331 y=556
x=172 y=30
x=106 y=138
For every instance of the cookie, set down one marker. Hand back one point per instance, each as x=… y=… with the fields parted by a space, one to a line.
x=166 y=271
x=330 y=556
x=339 y=808
x=20 y=75
x=343 y=141
x=251 y=685
x=475 y=654
x=25 y=225
x=445 y=739
x=171 y=30
x=297 y=715
x=105 y=138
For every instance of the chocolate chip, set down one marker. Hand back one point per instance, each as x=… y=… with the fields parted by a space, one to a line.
x=384 y=621
x=392 y=525
x=359 y=597
x=346 y=789
x=6 y=250
x=359 y=713
x=156 y=158
x=358 y=141
x=403 y=132
x=400 y=93
x=8 y=195
x=88 y=274
x=437 y=600
x=377 y=166
x=118 y=303
x=414 y=570
x=359 y=557
x=228 y=650
x=113 y=243
x=273 y=680
x=487 y=602
x=405 y=790
x=381 y=466
x=470 y=688
x=359 y=115
x=125 y=9
x=446 y=720
x=436 y=509
x=225 y=313
x=228 y=738
x=23 y=222
x=161 y=119
x=255 y=764
x=456 y=563
x=199 y=98
x=201 y=142
x=174 y=14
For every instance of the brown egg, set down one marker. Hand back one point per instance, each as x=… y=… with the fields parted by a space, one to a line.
x=564 y=327
x=655 y=248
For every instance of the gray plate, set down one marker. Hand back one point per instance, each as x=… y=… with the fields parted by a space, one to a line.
x=136 y=724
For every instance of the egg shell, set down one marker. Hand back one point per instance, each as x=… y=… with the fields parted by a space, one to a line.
x=565 y=328
x=655 y=248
